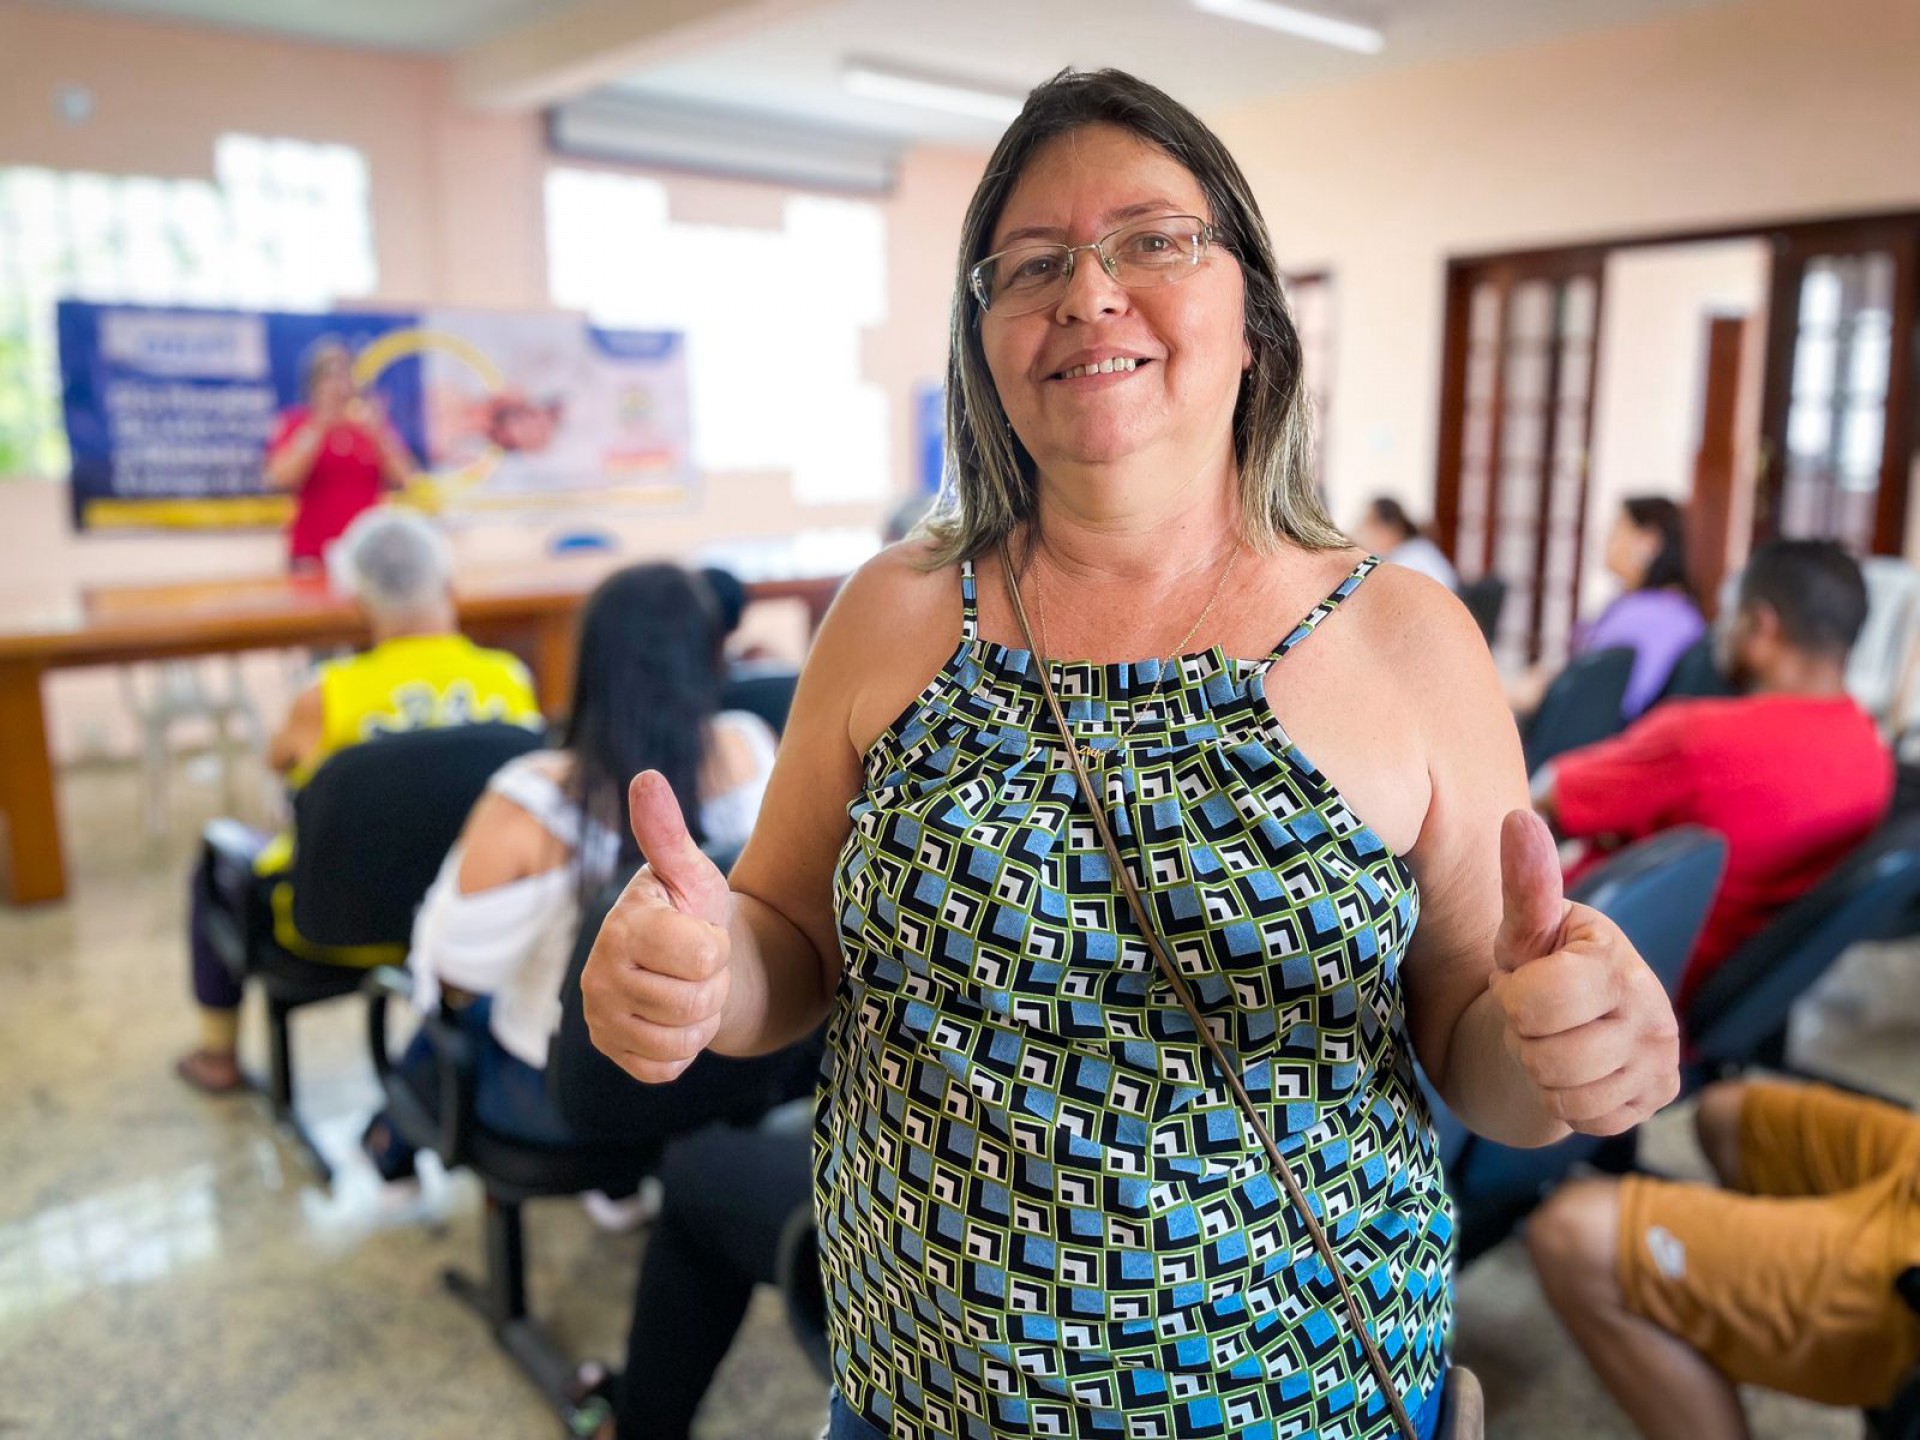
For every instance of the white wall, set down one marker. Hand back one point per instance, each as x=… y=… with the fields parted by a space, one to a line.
x=1650 y=390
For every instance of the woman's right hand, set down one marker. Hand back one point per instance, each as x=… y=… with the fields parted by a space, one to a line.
x=656 y=983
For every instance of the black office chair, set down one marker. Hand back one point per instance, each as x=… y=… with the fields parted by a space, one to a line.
x=1484 y=599
x=1658 y=891
x=371 y=828
x=805 y=1293
x=1697 y=674
x=766 y=693
x=1738 y=1017
x=621 y=1128
x=1581 y=706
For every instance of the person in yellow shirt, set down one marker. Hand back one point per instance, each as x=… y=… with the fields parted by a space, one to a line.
x=420 y=673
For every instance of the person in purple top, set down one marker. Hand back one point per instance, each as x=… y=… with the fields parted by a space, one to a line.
x=1655 y=617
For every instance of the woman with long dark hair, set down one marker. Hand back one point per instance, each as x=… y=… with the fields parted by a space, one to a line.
x=1655 y=616
x=498 y=925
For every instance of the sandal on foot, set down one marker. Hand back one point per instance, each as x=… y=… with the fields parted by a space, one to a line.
x=210 y=1072
x=589 y=1411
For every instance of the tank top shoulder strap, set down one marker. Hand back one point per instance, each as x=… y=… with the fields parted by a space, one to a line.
x=969 y=603
x=1326 y=607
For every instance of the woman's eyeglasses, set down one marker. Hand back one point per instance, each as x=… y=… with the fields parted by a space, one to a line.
x=1145 y=253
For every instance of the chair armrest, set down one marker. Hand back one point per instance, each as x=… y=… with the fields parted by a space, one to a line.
x=797 y=1272
x=388 y=982
x=236 y=917
x=459 y=1078
x=435 y=1113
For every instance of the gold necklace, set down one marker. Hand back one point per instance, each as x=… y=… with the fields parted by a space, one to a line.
x=1088 y=752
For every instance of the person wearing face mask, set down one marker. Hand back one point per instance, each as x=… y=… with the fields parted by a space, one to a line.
x=1122 y=991
x=1792 y=770
x=335 y=452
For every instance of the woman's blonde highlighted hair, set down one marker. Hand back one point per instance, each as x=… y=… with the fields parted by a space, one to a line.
x=988 y=487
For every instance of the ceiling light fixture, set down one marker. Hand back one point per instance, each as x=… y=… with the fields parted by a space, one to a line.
x=875 y=81
x=1291 y=20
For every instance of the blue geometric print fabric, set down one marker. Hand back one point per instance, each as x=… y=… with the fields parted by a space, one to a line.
x=1040 y=1211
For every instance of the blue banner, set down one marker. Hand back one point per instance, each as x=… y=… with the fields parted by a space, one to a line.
x=169 y=411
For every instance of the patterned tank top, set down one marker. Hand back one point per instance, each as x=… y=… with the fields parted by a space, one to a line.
x=1040 y=1211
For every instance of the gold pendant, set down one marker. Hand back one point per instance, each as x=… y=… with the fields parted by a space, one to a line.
x=1090 y=757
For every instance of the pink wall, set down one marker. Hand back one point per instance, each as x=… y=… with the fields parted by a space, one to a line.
x=1750 y=111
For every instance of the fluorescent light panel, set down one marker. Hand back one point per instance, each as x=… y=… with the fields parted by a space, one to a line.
x=929 y=92
x=1291 y=20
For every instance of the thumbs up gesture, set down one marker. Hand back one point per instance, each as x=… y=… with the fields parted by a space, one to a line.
x=657 y=980
x=1586 y=1020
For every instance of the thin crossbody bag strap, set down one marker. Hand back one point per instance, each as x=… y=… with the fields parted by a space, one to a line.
x=1177 y=982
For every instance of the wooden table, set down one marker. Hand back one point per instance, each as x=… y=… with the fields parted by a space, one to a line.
x=530 y=610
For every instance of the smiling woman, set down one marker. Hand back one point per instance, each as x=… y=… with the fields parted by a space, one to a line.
x=1119 y=1132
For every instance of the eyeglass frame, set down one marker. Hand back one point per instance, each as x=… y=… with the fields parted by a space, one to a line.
x=1207 y=234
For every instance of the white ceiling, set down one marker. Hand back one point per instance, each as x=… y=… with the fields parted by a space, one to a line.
x=792 y=69
x=420 y=25
x=1210 y=63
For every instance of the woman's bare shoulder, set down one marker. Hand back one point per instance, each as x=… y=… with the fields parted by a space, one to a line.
x=893 y=625
x=896 y=601
x=1414 y=620
x=902 y=574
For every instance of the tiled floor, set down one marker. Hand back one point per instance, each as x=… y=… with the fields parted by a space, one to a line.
x=168 y=1268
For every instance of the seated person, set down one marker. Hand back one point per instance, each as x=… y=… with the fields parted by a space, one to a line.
x=731 y=1194
x=1655 y=617
x=419 y=673
x=1791 y=770
x=1784 y=1278
x=498 y=925
x=1389 y=532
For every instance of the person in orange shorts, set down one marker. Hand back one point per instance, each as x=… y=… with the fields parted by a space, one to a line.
x=1784 y=1278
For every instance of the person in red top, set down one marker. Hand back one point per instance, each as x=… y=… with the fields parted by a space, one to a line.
x=1791 y=771
x=336 y=453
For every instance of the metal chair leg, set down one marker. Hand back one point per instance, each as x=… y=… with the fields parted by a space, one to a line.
x=279 y=1060
x=280 y=1086
x=500 y=1299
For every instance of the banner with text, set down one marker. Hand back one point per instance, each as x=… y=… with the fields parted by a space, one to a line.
x=169 y=411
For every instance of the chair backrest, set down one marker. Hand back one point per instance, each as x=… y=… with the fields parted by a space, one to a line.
x=1658 y=891
x=1696 y=674
x=1484 y=599
x=1878 y=658
x=374 y=823
x=1582 y=705
x=768 y=694
x=1745 y=1003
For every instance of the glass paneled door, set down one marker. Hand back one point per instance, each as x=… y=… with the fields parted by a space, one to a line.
x=1516 y=426
x=1838 y=419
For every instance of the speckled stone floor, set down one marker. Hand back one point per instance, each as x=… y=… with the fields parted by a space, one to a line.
x=168 y=1268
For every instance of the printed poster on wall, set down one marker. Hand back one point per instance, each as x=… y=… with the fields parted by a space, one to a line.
x=169 y=410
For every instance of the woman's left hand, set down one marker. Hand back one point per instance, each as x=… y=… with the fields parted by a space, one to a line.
x=1585 y=1019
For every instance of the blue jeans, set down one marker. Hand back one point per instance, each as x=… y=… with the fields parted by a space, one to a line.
x=844 y=1424
x=510 y=1096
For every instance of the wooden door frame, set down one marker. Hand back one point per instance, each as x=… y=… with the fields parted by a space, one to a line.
x=1903 y=375
x=1790 y=253
x=1559 y=268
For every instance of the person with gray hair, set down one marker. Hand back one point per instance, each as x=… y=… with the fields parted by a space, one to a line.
x=419 y=673
x=395 y=563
